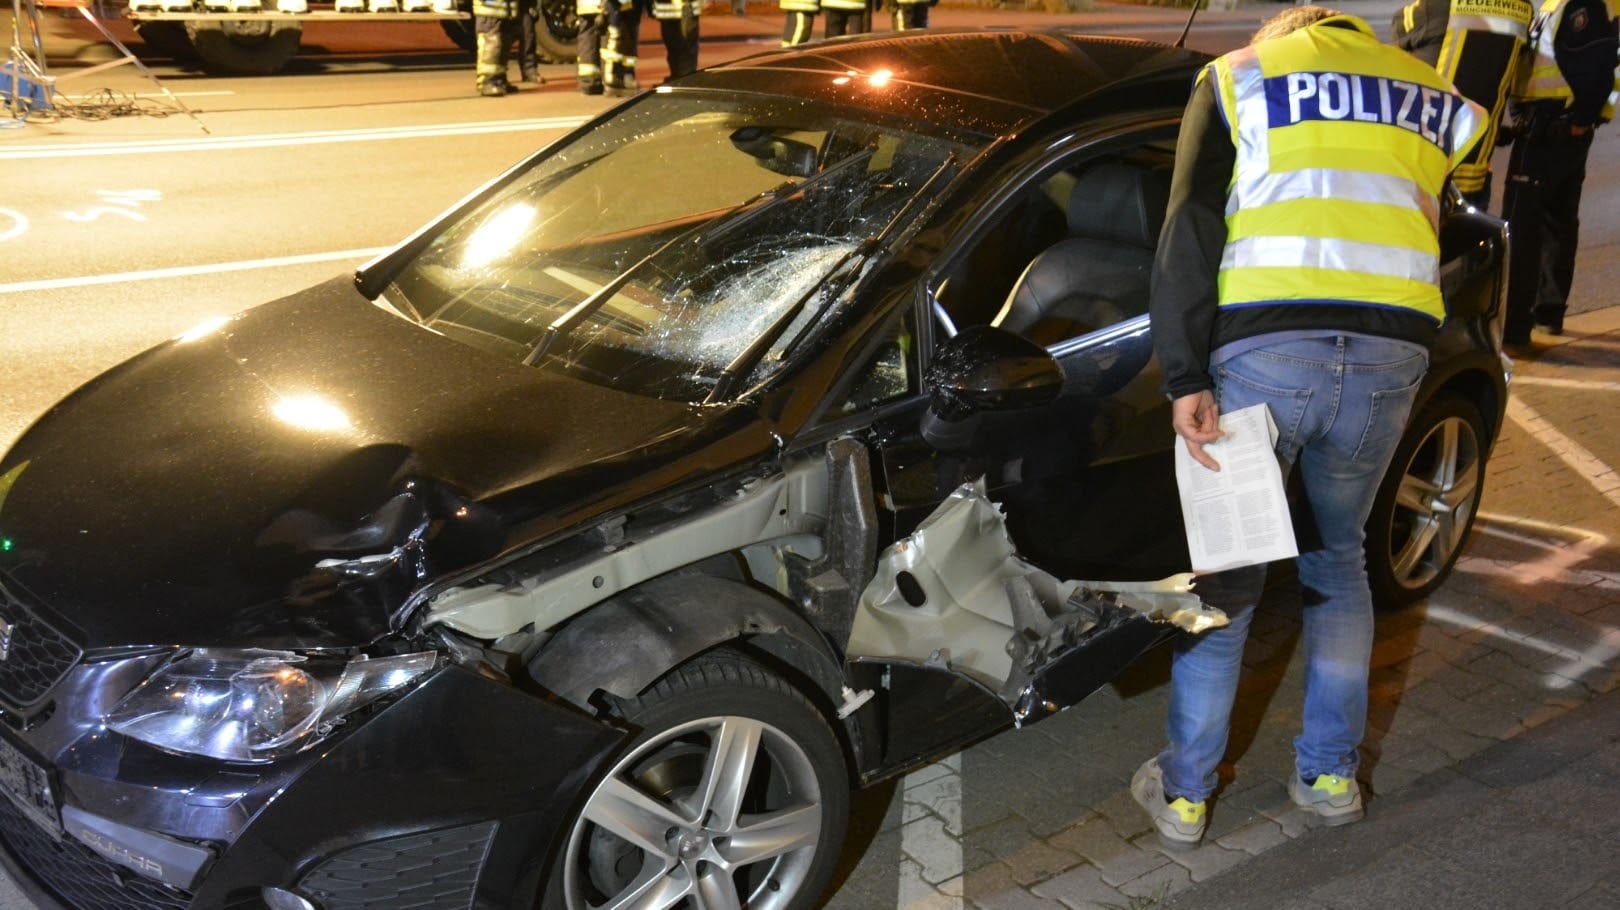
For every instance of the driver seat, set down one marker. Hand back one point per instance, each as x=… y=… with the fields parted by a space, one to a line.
x=1099 y=274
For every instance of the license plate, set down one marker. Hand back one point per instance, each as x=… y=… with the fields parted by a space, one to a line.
x=28 y=784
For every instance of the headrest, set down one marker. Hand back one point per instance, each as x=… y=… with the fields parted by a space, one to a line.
x=1119 y=202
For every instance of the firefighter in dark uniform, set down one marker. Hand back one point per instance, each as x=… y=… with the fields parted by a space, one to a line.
x=592 y=21
x=909 y=15
x=496 y=22
x=678 y=24
x=844 y=17
x=528 y=58
x=1569 y=88
x=1476 y=44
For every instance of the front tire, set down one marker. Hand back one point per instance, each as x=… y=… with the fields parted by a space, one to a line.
x=1427 y=503
x=734 y=793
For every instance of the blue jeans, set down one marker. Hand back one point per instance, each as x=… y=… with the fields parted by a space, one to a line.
x=1340 y=404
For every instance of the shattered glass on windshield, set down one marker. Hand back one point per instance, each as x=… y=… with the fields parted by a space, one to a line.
x=663 y=247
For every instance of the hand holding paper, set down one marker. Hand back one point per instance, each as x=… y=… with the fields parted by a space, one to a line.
x=1237 y=516
x=1196 y=419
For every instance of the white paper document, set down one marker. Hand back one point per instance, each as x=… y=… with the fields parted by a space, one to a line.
x=1237 y=516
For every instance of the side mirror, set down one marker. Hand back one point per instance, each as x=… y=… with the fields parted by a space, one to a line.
x=984 y=368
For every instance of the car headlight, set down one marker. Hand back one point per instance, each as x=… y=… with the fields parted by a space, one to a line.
x=255 y=705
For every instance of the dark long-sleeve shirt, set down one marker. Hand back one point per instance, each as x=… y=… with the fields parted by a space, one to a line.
x=1586 y=49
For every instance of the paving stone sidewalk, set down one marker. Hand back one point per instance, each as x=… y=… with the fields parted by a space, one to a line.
x=1493 y=750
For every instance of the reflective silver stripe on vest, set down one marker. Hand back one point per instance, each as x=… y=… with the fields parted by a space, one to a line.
x=1542 y=78
x=1326 y=253
x=1328 y=183
x=1500 y=25
x=1248 y=81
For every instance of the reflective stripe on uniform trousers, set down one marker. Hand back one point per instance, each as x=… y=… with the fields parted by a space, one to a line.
x=674 y=9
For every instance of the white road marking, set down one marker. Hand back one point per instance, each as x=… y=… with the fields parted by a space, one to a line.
x=121 y=202
x=19 y=224
x=278 y=140
x=1579 y=663
x=1562 y=549
x=89 y=95
x=930 y=837
x=1586 y=385
x=186 y=271
x=1599 y=475
x=95 y=212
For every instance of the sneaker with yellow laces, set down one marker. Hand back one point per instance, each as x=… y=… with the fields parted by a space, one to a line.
x=1336 y=799
x=1180 y=821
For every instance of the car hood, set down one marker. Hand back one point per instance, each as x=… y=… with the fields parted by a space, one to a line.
x=249 y=485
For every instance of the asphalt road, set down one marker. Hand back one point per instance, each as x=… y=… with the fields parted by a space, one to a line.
x=116 y=234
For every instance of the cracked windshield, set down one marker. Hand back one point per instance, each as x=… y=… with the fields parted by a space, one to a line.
x=683 y=245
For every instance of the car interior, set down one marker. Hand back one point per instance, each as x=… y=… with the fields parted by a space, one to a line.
x=1098 y=274
x=1071 y=255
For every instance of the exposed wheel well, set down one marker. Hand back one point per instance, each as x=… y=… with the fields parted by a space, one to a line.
x=627 y=643
x=1479 y=387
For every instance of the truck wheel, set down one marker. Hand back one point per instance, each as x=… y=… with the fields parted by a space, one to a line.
x=554 y=34
x=460 y=32
x=166 y=39
x=244 y=47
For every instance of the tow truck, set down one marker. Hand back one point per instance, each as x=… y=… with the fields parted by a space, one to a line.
x=259 y=37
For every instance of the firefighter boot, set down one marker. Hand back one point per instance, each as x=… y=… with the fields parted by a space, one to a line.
x=621 y=81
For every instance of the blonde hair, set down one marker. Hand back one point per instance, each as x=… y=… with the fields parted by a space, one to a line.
x=1291 y=19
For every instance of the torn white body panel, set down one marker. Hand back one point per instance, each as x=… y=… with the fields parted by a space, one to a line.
x=956 y=591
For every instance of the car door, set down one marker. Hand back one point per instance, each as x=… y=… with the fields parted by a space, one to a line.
x=1032 y=548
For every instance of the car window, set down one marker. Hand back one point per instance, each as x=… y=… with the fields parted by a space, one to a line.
x=1068 y=254
x=670 y=238
x=888 y=373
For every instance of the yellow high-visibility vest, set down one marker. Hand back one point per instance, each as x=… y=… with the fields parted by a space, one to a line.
x=1542 y=80
x=1343 y=145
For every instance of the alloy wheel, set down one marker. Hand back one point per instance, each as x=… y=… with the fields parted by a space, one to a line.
x=1435 y=501
x=719 y=813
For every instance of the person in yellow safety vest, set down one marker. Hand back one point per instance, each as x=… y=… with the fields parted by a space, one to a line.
x=1299 y=269
x=591 y=16
x=909 y=15
x=678 y=25
x=1569 y=88
x=844 y=17
x=496 y=23
x=1477 y=45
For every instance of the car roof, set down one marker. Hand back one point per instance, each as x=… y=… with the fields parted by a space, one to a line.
x=989 y=81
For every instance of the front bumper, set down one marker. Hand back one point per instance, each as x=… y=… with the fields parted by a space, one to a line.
x=458 y=787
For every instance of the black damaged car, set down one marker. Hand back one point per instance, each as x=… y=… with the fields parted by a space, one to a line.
x=774 y=433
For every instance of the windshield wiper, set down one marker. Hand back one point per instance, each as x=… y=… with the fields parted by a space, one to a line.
x=723 y=223
x=745 y=362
